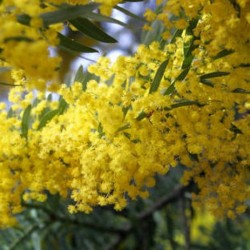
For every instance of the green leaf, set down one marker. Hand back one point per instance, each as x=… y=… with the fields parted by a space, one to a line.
x=91 y=30
x=71 y=45
x=141 y=116
x=79 y=77
x=176 y=34
x=223 y=53
x=25 y=121
x=128 y=13
x=154 y=34
x=170 y=89
x=127 y=126
x=207 y=82
x=10 y=113
x=47 y=117
x=67 y=13
x=101 y=18
x=18 y=39
x=63 y=105
x=132 y=1
x=4 y=69
x=8 y=84
x=24 y=19
x=180 y=77
x=158 y=76
x=60 y=15
x=241 y=91
x=183 y=104
x=214 y=74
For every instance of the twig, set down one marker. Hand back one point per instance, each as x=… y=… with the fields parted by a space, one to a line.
x=23 y=237
x=186 y=226
x=164 y=201
x=56 y=217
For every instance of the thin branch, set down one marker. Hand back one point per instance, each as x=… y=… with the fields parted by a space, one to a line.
x=55 y=217
x=186 y=223
x=162 y=202
x=23 y=237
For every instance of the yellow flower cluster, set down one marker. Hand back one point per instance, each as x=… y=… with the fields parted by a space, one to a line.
x=20 y=44
x=102 y=144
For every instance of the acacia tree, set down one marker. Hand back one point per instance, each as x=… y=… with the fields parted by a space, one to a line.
x=175 y=114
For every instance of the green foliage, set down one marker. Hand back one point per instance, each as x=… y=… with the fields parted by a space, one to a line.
x=151 y=224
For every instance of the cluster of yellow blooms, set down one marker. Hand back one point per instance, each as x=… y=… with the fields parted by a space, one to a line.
x=25 y=34
x=180 y=102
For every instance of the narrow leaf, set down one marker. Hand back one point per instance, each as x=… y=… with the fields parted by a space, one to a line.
x=71 y=45
x=4 y=69
x=101 y=18
x=183 y=104
x=63 y=105
x=8 y=84
x=67 y=13
x=24 y=19
x=214 y=74
x=180 y=77
x=223 y=53
x=127 y=126
x=25 y=121
x=47 y=117
x=79 y=77
x=18 y=39
x=158 y=76
x=170 y=89
x=241 y=91
x=207 y=82
x=141 y=116
x=91 y=30
x=10 y=113
x=176 y=34
x=128 y=13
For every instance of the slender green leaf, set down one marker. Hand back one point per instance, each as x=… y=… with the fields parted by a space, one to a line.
x=67 y=13
x=176 y=34
x=101 y=18
x=214 y=74
x=91 y=30
x=183 y=104
x=154 y=34
x=4 y=69
x=170 y=89
x=24 y=19
x=223 y=53
x=127 y=126
x=141 y=116
x=18 y=39
x=60 y=15
x=180 y=77
x=63 y=105
x=207 y=82
x=71 y=45
x=25 y=121
x=158 y=76
x=47 y=117
x=128 y=13
x=8 y=84
x=132 y=1
x=10 y=113
x=241 y=91
x=79 y=77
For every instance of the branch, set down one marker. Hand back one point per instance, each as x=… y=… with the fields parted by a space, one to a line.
x=23 y=237
x=55 y=217
x=186 y=223
x=162 y=202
